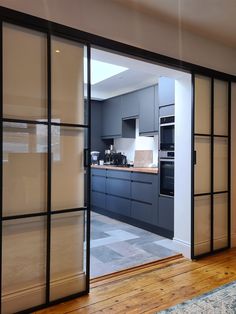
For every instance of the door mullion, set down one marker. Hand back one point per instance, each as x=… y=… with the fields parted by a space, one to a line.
x=212 y=164
x=229 y=164
x=49 y=170
x=88 y=227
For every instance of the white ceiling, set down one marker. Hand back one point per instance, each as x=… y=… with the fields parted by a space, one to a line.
x=140 y=74
x=215 y=19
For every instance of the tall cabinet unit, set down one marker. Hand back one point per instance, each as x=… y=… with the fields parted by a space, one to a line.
x=43 y=207
x=211 y=152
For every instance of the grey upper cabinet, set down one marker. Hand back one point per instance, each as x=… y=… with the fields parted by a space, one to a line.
x=166 y=91
x=142 y=104
x=130 y=105
x=167 y=111
x=112 y=118
x=148 y=113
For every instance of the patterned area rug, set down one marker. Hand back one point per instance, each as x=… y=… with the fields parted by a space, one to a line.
x=218 y=301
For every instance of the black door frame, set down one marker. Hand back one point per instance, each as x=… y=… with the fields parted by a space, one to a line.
x=49 y=213
x=211 y=194
x=88 y=39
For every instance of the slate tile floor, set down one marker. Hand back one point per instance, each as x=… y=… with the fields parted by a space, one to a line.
x=116 y=245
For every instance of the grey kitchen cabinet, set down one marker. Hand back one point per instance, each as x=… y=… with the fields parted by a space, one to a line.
x=118 y=114
x=144 y=195
x=98 y=199
x=148 y=115
x=130 y=105
x=98 y=172
x=143 y=212
x=118 y=187
x=142 y=191
x=118 y=174
x=98 y=183
x=118 y=205
x=112 y=118
x=166 y=213
x=98 y=188
x=166 y=91
x=132 y=197
x=167 y=111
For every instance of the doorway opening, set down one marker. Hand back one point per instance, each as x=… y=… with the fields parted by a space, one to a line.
x=132 y=165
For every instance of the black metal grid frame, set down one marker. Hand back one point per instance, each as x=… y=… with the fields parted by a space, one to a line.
x=211 y=137
x=49 y=123
x=88 y=39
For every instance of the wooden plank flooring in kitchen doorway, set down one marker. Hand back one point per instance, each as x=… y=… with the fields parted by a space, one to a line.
x=154 y=287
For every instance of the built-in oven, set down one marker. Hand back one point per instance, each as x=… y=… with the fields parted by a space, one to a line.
x=166 y=171
x=167 y=133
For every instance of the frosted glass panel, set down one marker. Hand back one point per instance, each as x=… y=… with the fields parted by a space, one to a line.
x=220 y=220
x=202 y=182
x=202 y=105
x=220 y=107
x=24 y=168
x=202 y=224
x=67 y=81
x=67 y=168
x=24 y=263
x=67 y=254
x=24 y=73
x=220 y=164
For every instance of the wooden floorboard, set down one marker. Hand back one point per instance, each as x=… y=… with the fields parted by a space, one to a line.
x=153 y=288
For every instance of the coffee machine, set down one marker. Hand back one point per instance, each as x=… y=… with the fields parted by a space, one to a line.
x=119 y=160
x=108 y=157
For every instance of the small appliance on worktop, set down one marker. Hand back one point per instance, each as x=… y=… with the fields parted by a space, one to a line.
x=95 y=157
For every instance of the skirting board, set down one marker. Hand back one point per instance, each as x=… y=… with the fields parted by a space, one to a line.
x=183 y=247
x=233 y=239
x=33 y=296
x=203 y=247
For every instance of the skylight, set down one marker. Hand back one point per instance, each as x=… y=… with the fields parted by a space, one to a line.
x=101 y=71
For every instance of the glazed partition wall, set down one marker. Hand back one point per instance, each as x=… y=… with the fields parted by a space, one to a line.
x=44 y=130
x=211 y=165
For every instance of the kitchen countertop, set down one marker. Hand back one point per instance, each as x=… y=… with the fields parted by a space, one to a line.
x=131 y=169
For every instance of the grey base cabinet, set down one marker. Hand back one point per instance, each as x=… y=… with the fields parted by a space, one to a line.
x=166 y=213
x=118 y=205
x=143 y=212
x=132 y=197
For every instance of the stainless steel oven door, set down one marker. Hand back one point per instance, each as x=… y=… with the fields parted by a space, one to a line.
x=166 y=167
x=167 y=137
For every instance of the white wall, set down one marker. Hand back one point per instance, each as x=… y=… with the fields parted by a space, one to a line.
x=128 y=146
x=182 y=205
x=114 y=21
x=233 y=166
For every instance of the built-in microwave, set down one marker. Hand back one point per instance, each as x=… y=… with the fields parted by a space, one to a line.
x=167 y=133
x=166 y=169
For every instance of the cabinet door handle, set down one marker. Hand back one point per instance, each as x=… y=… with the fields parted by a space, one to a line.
x=86 y=158
x=195 y=157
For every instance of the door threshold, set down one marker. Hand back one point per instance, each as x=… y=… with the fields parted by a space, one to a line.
x=131 y=270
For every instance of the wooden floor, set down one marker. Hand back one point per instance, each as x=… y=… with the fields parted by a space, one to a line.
x=154 y=288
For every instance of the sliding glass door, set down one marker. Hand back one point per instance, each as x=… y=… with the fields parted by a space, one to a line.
x=211 y=165
x=44 y=213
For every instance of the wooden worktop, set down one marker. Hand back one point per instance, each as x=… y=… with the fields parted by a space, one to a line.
x=131 y=169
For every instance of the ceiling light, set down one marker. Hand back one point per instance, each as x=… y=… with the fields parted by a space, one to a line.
x=57 y=51
x=101 y=71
